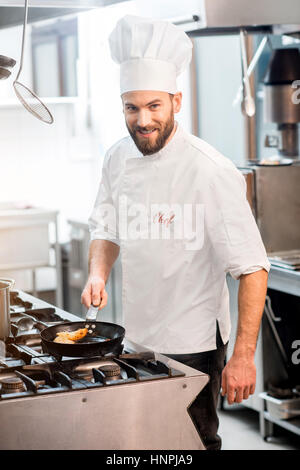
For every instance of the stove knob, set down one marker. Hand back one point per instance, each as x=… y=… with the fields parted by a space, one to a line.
x=111 y=370
x=12 y=385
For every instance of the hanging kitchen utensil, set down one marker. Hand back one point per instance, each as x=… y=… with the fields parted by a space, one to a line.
x=251 y=68
x=4 y=73
x=243 y=95
x=28 y=98
x=248 y=102
x=5 y=63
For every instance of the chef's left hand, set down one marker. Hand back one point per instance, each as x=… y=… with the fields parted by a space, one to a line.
x=238 y=379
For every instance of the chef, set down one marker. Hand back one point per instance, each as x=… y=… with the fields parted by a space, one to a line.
x=177 y=211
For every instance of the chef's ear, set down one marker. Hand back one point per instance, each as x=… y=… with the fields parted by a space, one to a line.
x=177 y=99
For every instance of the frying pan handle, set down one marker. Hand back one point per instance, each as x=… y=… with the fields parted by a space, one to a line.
x=143 y=356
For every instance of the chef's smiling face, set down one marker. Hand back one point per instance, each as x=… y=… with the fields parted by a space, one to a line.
x=149 y=117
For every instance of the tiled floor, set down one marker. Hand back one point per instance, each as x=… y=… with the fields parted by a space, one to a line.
x=239 y=429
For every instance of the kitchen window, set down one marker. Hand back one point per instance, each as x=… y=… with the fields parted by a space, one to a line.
x=54 y=58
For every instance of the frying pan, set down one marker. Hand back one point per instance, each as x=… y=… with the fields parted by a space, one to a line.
x=93 y=344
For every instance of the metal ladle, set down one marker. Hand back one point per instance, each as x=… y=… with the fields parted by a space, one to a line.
x=26 y=323
x=27 y=97
x=248 y=103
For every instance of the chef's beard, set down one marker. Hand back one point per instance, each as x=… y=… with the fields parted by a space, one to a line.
x=163 y=130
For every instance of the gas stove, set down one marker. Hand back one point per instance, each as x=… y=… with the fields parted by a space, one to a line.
x=27 y=371
x=131 y=386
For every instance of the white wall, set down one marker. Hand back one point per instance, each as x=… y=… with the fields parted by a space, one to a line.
x=219 y=77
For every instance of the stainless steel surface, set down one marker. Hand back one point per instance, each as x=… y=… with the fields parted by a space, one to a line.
x=61 y=3
x=280 y=99
x=26 y=323
x=277 y=205
x=281 y=408
x=118 y=413
x=150 y=415
x=289 y=140
x=11 y=14
x=5 y=286
x=284 y=280
x=4 y=73
x=279 y=106
x=7 y=61
x=271 y=141
x=286 y=259
x=249 y=178
x=92 y=313
x=259 y=12
x=277 y=189
x=221 y=16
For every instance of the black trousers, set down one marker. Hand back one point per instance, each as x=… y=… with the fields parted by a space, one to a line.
x=203 y=410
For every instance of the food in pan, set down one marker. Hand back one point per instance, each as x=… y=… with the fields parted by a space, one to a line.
x=63 y=339
x=270 y=162
x=70 y=337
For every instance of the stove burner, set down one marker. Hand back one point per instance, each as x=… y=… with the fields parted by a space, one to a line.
x=111 y=370
x=12 y=385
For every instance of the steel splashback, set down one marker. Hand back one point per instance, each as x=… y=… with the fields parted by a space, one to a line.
x=273 y=193
x=199 y=17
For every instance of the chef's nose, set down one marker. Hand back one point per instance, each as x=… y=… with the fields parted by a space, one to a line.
x=143 y=118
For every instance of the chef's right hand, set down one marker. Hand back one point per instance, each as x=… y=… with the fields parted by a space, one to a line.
x=94 y=292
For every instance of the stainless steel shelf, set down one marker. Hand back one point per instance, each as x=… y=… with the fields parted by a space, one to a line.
x=292 y=425
x=284 y=280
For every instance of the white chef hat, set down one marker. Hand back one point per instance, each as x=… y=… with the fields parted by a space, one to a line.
x=152 y=53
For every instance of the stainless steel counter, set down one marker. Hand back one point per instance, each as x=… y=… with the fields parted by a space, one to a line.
x=284 y=280
x=150 y=414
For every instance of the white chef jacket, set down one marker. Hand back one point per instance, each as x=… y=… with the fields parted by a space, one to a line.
x=173 y=296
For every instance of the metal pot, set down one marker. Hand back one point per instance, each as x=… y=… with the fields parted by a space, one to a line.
x=5 y=286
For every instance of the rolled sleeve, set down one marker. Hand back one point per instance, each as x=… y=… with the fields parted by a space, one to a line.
x=103 y=219
x=231 y=226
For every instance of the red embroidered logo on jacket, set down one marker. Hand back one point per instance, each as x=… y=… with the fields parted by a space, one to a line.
x=161 y=218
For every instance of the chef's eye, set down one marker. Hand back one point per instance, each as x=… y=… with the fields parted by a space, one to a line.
x=131 y=108
x=154 y=106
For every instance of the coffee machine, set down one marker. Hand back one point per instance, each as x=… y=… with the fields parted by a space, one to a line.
x=273 y=184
